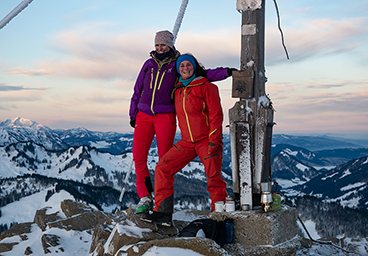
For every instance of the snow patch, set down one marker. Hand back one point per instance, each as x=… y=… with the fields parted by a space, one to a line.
x=168 y=251
x=324 y=167
x=346 y=173
x=100 y=144
x=352 y=186
x=302 y=167
x=366 y=161
x=311 y=227
x=330 y=176
x=132 y=230
x=292 y=153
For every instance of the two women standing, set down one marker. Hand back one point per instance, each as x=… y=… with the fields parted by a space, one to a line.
x=152 y=109
x=199 y=112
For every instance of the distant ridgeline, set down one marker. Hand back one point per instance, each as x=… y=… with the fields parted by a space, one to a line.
x=91 y=166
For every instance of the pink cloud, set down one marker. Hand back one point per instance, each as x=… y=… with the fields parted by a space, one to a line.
x=320 y=36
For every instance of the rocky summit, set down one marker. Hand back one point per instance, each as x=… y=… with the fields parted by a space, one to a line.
x=79 y=229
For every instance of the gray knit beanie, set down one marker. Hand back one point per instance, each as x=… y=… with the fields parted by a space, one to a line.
x=165 y=37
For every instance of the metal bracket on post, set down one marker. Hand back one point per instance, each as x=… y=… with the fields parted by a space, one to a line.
x=243 y=84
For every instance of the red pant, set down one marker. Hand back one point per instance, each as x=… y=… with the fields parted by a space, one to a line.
x=177 y=158
x=146 y=126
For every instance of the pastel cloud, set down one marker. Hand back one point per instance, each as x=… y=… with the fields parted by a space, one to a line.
x=90 y=52
x=9 y=88
x=329 y=111
x=19 y=71
x=109 y=64
x=320 y=36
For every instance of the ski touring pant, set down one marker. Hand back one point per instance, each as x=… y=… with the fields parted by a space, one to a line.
x=177 y=158
x=164 y=126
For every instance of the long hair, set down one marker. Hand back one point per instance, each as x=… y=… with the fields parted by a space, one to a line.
x=200 y=69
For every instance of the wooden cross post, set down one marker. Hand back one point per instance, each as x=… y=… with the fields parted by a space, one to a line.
x=251 y=118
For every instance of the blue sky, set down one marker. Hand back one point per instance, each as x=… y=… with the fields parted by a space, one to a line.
x=68 y=64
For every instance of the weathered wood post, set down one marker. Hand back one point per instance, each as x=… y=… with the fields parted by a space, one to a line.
x=251 y=122
x=251 y=118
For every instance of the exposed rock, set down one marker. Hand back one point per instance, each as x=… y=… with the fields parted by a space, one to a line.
x=71 y=208
x=100 y=235
x=48 y=241
x=288 y=248
x=131 y=210
x=6 y=247
x=306 y=243
x=41 y=218
x=132 y=230
x=17 y=230
x=201 y=245
x=126 y=234
x=28 y=251
x=83 y=221
x=99 y=250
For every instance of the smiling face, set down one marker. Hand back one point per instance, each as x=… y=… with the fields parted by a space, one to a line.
x=186 y=69
x=161 y=48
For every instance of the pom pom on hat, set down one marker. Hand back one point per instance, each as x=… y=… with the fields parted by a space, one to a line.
x=165 y=37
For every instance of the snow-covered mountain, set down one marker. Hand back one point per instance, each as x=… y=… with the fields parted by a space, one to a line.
x=113 y=142
x=315 y=143
x=84 y=163
x=21 y=130
x=286 y=166
x=91 y=167
x=346 y=184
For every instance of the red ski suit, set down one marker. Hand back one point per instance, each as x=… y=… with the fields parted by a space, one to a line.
x=199 y=112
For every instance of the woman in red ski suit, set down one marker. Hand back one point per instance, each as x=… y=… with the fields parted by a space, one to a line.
x=152 y=110
x=200 y=116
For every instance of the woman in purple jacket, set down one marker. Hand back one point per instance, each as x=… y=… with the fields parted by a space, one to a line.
x=152 y=110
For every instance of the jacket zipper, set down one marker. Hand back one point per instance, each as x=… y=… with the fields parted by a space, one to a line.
x=151 y=78
x=154 y=90
x=186 y=115
x=162 y=77
x=155 y=86
x=204 y=107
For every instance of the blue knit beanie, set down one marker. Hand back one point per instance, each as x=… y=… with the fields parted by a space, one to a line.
x=187 y=57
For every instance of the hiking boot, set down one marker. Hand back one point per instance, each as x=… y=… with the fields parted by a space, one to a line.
x=163 y=218
x=145 y=204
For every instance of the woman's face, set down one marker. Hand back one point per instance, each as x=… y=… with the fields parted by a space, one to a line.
x=162 y=48
x=186 y=69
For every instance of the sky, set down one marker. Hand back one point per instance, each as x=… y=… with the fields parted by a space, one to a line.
x=69 y=64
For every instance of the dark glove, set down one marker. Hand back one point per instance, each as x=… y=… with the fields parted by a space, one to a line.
x=211 y=147
x=230 y=71
x=132 y=123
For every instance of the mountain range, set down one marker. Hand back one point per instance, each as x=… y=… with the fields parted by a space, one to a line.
x=93 y=165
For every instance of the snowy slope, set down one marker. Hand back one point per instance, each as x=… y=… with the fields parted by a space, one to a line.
x=84 y=164
x=78 y=243
x=20 y=130
x=286 y=166
x=346 y=184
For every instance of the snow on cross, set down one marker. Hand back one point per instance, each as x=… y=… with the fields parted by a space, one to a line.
x=14 y=13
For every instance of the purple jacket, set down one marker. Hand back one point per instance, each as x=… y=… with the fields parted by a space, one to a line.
x=155 y=83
